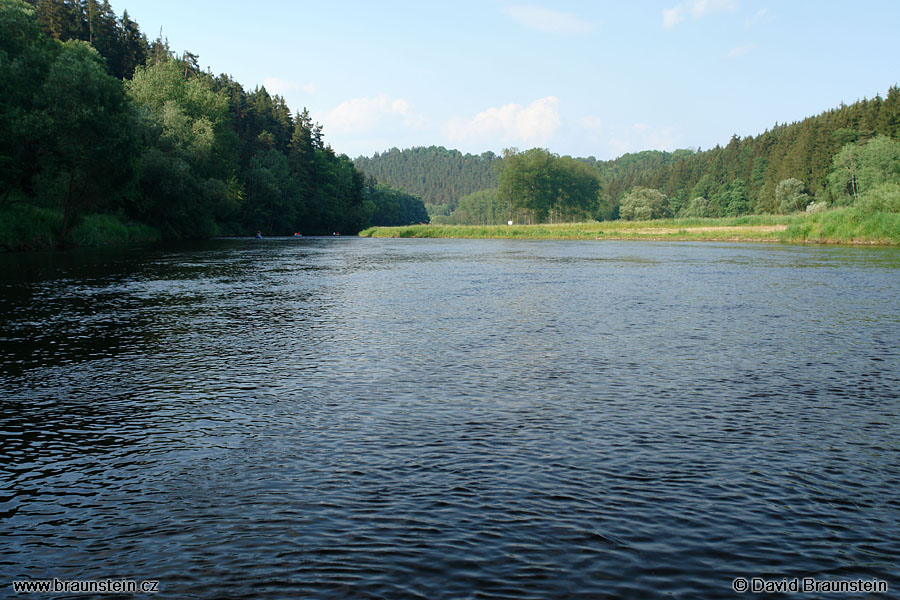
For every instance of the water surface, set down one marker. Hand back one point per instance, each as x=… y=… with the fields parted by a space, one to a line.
x=357 y=418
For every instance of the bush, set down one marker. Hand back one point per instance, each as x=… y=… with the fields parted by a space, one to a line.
x=882 y=198
x=26 y=227
x=817 y=207
x=643 y=204
x=109 y=230
x=790 y=197
x=99 y=230
x=700 y=207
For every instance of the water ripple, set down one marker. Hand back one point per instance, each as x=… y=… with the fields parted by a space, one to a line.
x=450 y=419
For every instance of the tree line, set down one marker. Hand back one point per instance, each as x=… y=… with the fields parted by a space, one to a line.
x=744 y=176
x=104 y=135
x=829 y=160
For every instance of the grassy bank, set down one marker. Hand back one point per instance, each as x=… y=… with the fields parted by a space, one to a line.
x=108 y=230
x=25 y=227
x=844 y=226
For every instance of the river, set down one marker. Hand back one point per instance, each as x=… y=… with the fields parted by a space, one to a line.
x=360 y=418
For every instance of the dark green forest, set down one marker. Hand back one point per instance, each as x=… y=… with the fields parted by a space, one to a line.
x=107 y=137
x=438 y=176
x=846 y=156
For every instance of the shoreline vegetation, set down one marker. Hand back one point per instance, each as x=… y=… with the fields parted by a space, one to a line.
x=845 y=226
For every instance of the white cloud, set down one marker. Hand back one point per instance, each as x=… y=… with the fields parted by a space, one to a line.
x=696 y=9
x=762 y=16
x=592 y=124
x=641 y=136
x=532 y=125
x=673 y=16
x=365 y=114
x=274 y=85
x=701 y=8
x=739 y=51
x=661 y=139
x=544 y=19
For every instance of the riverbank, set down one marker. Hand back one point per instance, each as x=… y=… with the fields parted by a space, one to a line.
x=841 y=226
x=24 y=227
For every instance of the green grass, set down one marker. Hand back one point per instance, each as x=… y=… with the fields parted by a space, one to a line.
x=27 y=227
x=847 y=226
x=842 y=226
x=108 y=230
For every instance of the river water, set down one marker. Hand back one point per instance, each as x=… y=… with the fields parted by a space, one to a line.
x=358 y=418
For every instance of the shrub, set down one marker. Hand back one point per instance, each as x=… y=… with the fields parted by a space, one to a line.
x=701 y=207
x=881 y=198
x=643 y=204
x=25 y=227
x=109 y=230
x=790 y=196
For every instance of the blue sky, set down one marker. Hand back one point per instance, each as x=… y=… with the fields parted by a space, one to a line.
x=584 y=78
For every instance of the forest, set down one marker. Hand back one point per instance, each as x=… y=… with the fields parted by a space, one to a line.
x=848 y=156
x=822 y=161
x=107 y=137
x=440 y=177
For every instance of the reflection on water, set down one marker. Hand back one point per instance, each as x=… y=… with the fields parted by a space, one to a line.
x=444 y=418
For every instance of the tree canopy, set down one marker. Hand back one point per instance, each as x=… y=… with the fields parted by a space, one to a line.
x=538 y=186
x=94 y=120
x=437 y=175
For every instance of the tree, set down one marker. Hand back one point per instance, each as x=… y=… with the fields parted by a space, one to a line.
x=479 y=208
x=134 y=48
x=302 y=153
x=843 y=181
x=393 y=207
x=271 y=194
x=700 y=207
x=25 y=58
x=186 y=162
x=119 y=41
x=434 y=173
x=438 y=210
x=578 y=187
x=791 y=196
x=642 y=204
x=83 y=119
x=879 y=162
x=734 y=199
x=538 y=185
x=859 y=167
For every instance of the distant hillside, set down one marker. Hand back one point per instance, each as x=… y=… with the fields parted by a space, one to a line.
x=752 y=167
x=434 y=174
x=739 y=178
